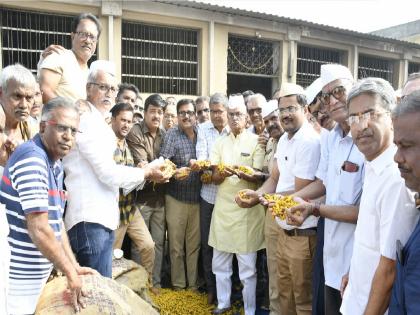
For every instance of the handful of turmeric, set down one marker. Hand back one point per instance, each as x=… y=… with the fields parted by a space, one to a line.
x=280 y=205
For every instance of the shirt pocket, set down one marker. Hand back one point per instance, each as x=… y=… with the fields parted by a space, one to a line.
x=350 y=187
x=245 y=158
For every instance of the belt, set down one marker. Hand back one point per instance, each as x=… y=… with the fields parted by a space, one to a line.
x=301 y=232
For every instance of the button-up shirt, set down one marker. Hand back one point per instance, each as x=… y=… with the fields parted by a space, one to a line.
x=234 y=229
x=270 y=151
x=342 y=188
x=207 y=135
x=180 y=149
x=123 y=156
x=297 y=157
x=145 y=148
x=92 y=176
x=387 y=213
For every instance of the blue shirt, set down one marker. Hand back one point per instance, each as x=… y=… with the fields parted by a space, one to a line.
x=31 y=183
x=178 y=148
x=405 y=298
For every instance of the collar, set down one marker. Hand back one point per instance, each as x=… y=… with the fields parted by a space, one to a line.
x=145 y=129
x=225 y=130
x=38 y=142
x=182 y=131
x=301 y=132
x=244 y=133
x=337 y=129
x=386 y=158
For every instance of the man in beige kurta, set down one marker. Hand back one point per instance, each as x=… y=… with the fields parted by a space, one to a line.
x=234 y=230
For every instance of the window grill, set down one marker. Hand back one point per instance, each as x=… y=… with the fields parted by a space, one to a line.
x=413 y=67
x=309 y=61
x=253 y=57
x=160 y=59
x=25 y=34
x=375 y=67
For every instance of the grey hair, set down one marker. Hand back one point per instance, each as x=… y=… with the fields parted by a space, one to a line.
x=256 y=98
x=375 y=87
x=94 y=73
x=219 y=98
x=409 y=105
x=202 y=99
x=17 y=73
x=56 y=103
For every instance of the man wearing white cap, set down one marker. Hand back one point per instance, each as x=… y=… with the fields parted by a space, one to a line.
x=340 y=178
x=297 y=157
x=64 y=72
x=93 y=177
x=235 y=231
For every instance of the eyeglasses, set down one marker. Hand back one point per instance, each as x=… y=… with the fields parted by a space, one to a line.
x=217 y=112
x=237 y=114
x=254 y=111
x=167 y=116
x=357 y=118
x=205 y=110
x=105 y=87
x=290 y=109
x=185 y=113
x=63 y=128
x=86 y=35
x=337 y=92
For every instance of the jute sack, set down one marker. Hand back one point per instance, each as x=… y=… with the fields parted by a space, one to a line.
x=106 y=297
x=132 y=275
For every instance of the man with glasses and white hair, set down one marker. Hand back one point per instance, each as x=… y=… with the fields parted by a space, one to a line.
x=64 y=72
x=387 y=210
x=340 y=178
x=93 y=177
x=208 y=133
x=234 y=231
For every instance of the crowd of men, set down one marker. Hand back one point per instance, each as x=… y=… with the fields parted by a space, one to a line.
x=347 y=151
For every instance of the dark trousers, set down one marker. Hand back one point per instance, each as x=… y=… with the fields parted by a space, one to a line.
x=318 y=279
x=206 y=210
x=332 y=301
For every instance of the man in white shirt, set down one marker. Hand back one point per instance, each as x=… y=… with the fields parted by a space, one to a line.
x=340 y=178
x=387 y=209
x=93 y=177
x=207 y=135
x=297 y=160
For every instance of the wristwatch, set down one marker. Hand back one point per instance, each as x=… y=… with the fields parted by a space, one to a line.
x=316 y=205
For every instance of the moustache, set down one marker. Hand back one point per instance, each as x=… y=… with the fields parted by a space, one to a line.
x=403 y=168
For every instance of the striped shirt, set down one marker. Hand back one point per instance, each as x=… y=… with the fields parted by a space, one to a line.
x=207 y=135
x=31 y=183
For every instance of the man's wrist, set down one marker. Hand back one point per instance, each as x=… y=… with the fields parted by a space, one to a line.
x=315 y=208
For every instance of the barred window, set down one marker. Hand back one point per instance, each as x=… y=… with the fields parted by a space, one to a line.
x=25 y=34
x=375 y=67
x=413 y=67
x=160 y=59
x=309 y=61
x=251 y=56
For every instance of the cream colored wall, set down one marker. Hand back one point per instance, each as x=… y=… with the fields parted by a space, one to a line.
x=287 y=37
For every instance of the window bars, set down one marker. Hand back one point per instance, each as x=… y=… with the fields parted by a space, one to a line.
x=252 y=57
x=375 y=67
x=25 y=34
x=159 y=59
x=309 y=61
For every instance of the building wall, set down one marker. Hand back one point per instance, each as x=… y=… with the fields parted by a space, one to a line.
x=214 y=29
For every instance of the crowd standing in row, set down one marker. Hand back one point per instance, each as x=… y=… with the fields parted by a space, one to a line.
x=345 y=151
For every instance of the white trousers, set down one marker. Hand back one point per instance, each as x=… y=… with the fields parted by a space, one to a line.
x=222 y=268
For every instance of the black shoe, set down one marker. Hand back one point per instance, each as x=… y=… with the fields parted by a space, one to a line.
x=218 y=311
